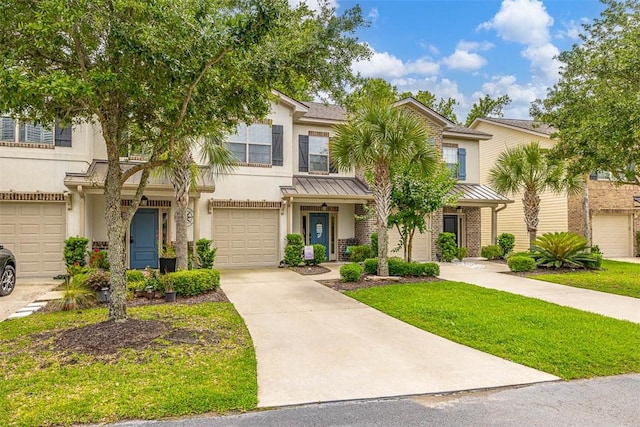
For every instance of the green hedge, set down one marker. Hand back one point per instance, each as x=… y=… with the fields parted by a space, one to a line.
x=293 y=251
x=398 y=267
x=194 y=282
x=351 y=272
x=319 y=254
x=491 y=252
x=134 y=276
x=360 y=253
x=521 y=263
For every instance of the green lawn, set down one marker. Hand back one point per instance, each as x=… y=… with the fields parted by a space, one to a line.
x=562 y=341
x=215 y=372
x=621 y=278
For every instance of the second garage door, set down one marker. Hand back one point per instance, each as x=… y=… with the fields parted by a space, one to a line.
x=246 y=237
x=35 y=233
x=612 y=233
x=421 y=245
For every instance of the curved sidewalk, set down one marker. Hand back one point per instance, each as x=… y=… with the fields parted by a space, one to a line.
x=490 y=275
x=314 y=344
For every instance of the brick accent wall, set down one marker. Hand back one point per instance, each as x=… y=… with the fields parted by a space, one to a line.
x=474 y=230
x=436 y=229
x=364 y=227
x=606 y=197
x=342 y=247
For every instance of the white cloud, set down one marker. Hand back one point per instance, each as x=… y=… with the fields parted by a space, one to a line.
x=314 y=4
x=471 y=46
x=464 y=60
x=543 y=61
x=521 y=21
x=521 y=95
x=373 y=14
x=386 y=65
x=572 y=30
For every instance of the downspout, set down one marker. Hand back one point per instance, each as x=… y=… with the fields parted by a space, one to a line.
x=494 y=222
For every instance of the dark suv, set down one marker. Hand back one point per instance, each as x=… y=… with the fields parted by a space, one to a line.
x=7 y=271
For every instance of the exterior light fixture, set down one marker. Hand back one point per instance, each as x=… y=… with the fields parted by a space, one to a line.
x=324 y=207
x=144 y=201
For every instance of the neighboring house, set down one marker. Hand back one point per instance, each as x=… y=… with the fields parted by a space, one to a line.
x=52 y=184
x=614 y=219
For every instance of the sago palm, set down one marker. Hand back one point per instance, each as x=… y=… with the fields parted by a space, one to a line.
x=377 y=135
x=528 y=169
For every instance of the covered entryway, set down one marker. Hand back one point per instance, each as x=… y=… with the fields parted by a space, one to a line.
x=612 y=233
x=246 y=237
x=35 y=232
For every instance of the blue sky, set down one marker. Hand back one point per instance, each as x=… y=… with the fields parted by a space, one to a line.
x=465 y=49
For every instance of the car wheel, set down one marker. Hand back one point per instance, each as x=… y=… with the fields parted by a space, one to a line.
x=7 y=281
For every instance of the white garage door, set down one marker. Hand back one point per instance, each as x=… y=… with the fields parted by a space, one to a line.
x=612 y=233
x=246 y=237
x=421 y=245
x=35 y=233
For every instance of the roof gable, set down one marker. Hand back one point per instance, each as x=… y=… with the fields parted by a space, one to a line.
x=518 y=124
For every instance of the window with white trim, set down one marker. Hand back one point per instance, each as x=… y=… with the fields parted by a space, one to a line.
x=31 y=133
x=318 y=153
x=252 y=144
x=450 y=156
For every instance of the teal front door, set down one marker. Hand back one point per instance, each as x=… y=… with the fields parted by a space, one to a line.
x=319 y=230
x=143 y=250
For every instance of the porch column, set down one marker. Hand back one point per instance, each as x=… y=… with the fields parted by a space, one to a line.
x=494 y=225
x=83 y=219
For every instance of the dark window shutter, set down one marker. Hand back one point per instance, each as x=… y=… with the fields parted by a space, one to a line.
x=62 y=136
x=332 y=168
x=303 y=153
x=462 y=163
x=276 y=145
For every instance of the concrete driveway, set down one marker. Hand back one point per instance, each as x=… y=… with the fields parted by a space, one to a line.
x=25 y=292
x=314 y=344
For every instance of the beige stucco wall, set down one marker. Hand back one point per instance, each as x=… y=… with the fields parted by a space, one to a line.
x=553 y=207
x=472 y=163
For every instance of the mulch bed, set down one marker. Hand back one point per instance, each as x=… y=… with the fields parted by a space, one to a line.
x=339 y=285
x=311 y=270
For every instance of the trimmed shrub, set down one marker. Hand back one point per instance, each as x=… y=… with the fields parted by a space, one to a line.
x=360 y=253
x=419 y=269
x=374 y=244
x=293 y=251
x=194 y=282
x=523 y=253
x=75 y=250
x=491 y=252
x=448 y=246
x=594 y=261
x=462 y=252
x=318 y=254
x=559 y=249
x=351 y=272
x=507 y=242
x=521 y=263
x=134 y=276
x=371 y=265
x=206 y=255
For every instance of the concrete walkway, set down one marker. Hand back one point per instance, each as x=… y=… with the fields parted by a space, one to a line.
x=22 y=300
x=488 y=275
x=316 y=345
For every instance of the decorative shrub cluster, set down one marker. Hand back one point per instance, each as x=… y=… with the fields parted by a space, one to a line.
x=293 y=254
x=134 y=276
x=448 y=246
x=75 y=251
x=98 y=259
x=319 y=255
x=98 y=279
x=398 y=267
x=507 y=242
x=360 y=253
x=194 y=282
x=351 y=272
x=492 y=252
x=205 y=253
x=563 y=249
x=462 y=252
x=521 y=263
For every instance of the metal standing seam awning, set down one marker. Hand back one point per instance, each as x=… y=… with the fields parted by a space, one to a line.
x=327 y=187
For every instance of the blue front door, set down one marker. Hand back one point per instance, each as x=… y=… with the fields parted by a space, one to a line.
x=144 y=239
x=319 y=230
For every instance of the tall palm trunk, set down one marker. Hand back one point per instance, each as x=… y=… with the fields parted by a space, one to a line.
x=531 y=208
x=181 y=181
x=382 y=196
x=586 y=217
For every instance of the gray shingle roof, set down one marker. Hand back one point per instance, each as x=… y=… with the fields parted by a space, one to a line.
x=524 y=124
x=466 y=130
x=318 y=110
x=326 y=186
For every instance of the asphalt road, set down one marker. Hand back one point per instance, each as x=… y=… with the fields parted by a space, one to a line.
x=610 y=401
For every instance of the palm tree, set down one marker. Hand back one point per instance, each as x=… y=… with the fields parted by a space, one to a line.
x=529 y=169
x=376 y=136
x=183 y=173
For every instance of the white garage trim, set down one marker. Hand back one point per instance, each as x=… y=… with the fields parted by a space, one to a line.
x=613 y=234
x=246 y=237
x=35 y=232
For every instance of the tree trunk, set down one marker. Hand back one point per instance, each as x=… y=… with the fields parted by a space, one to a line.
x=181 y=180
x=408 y=257
x=382 y=196
x=531 y=208
x=586 y=217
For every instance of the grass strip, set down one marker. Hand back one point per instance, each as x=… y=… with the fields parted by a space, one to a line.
x=562 y=341
x=43 y=386
x=620 y=278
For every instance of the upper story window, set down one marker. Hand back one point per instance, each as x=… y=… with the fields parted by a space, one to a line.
x=29 y=133
x=318 y=153
x=456 y=160
x=252 y=143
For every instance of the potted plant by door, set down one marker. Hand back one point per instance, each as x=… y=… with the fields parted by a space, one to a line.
x=167 y=259
x=98 y=280
x=169 y=291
